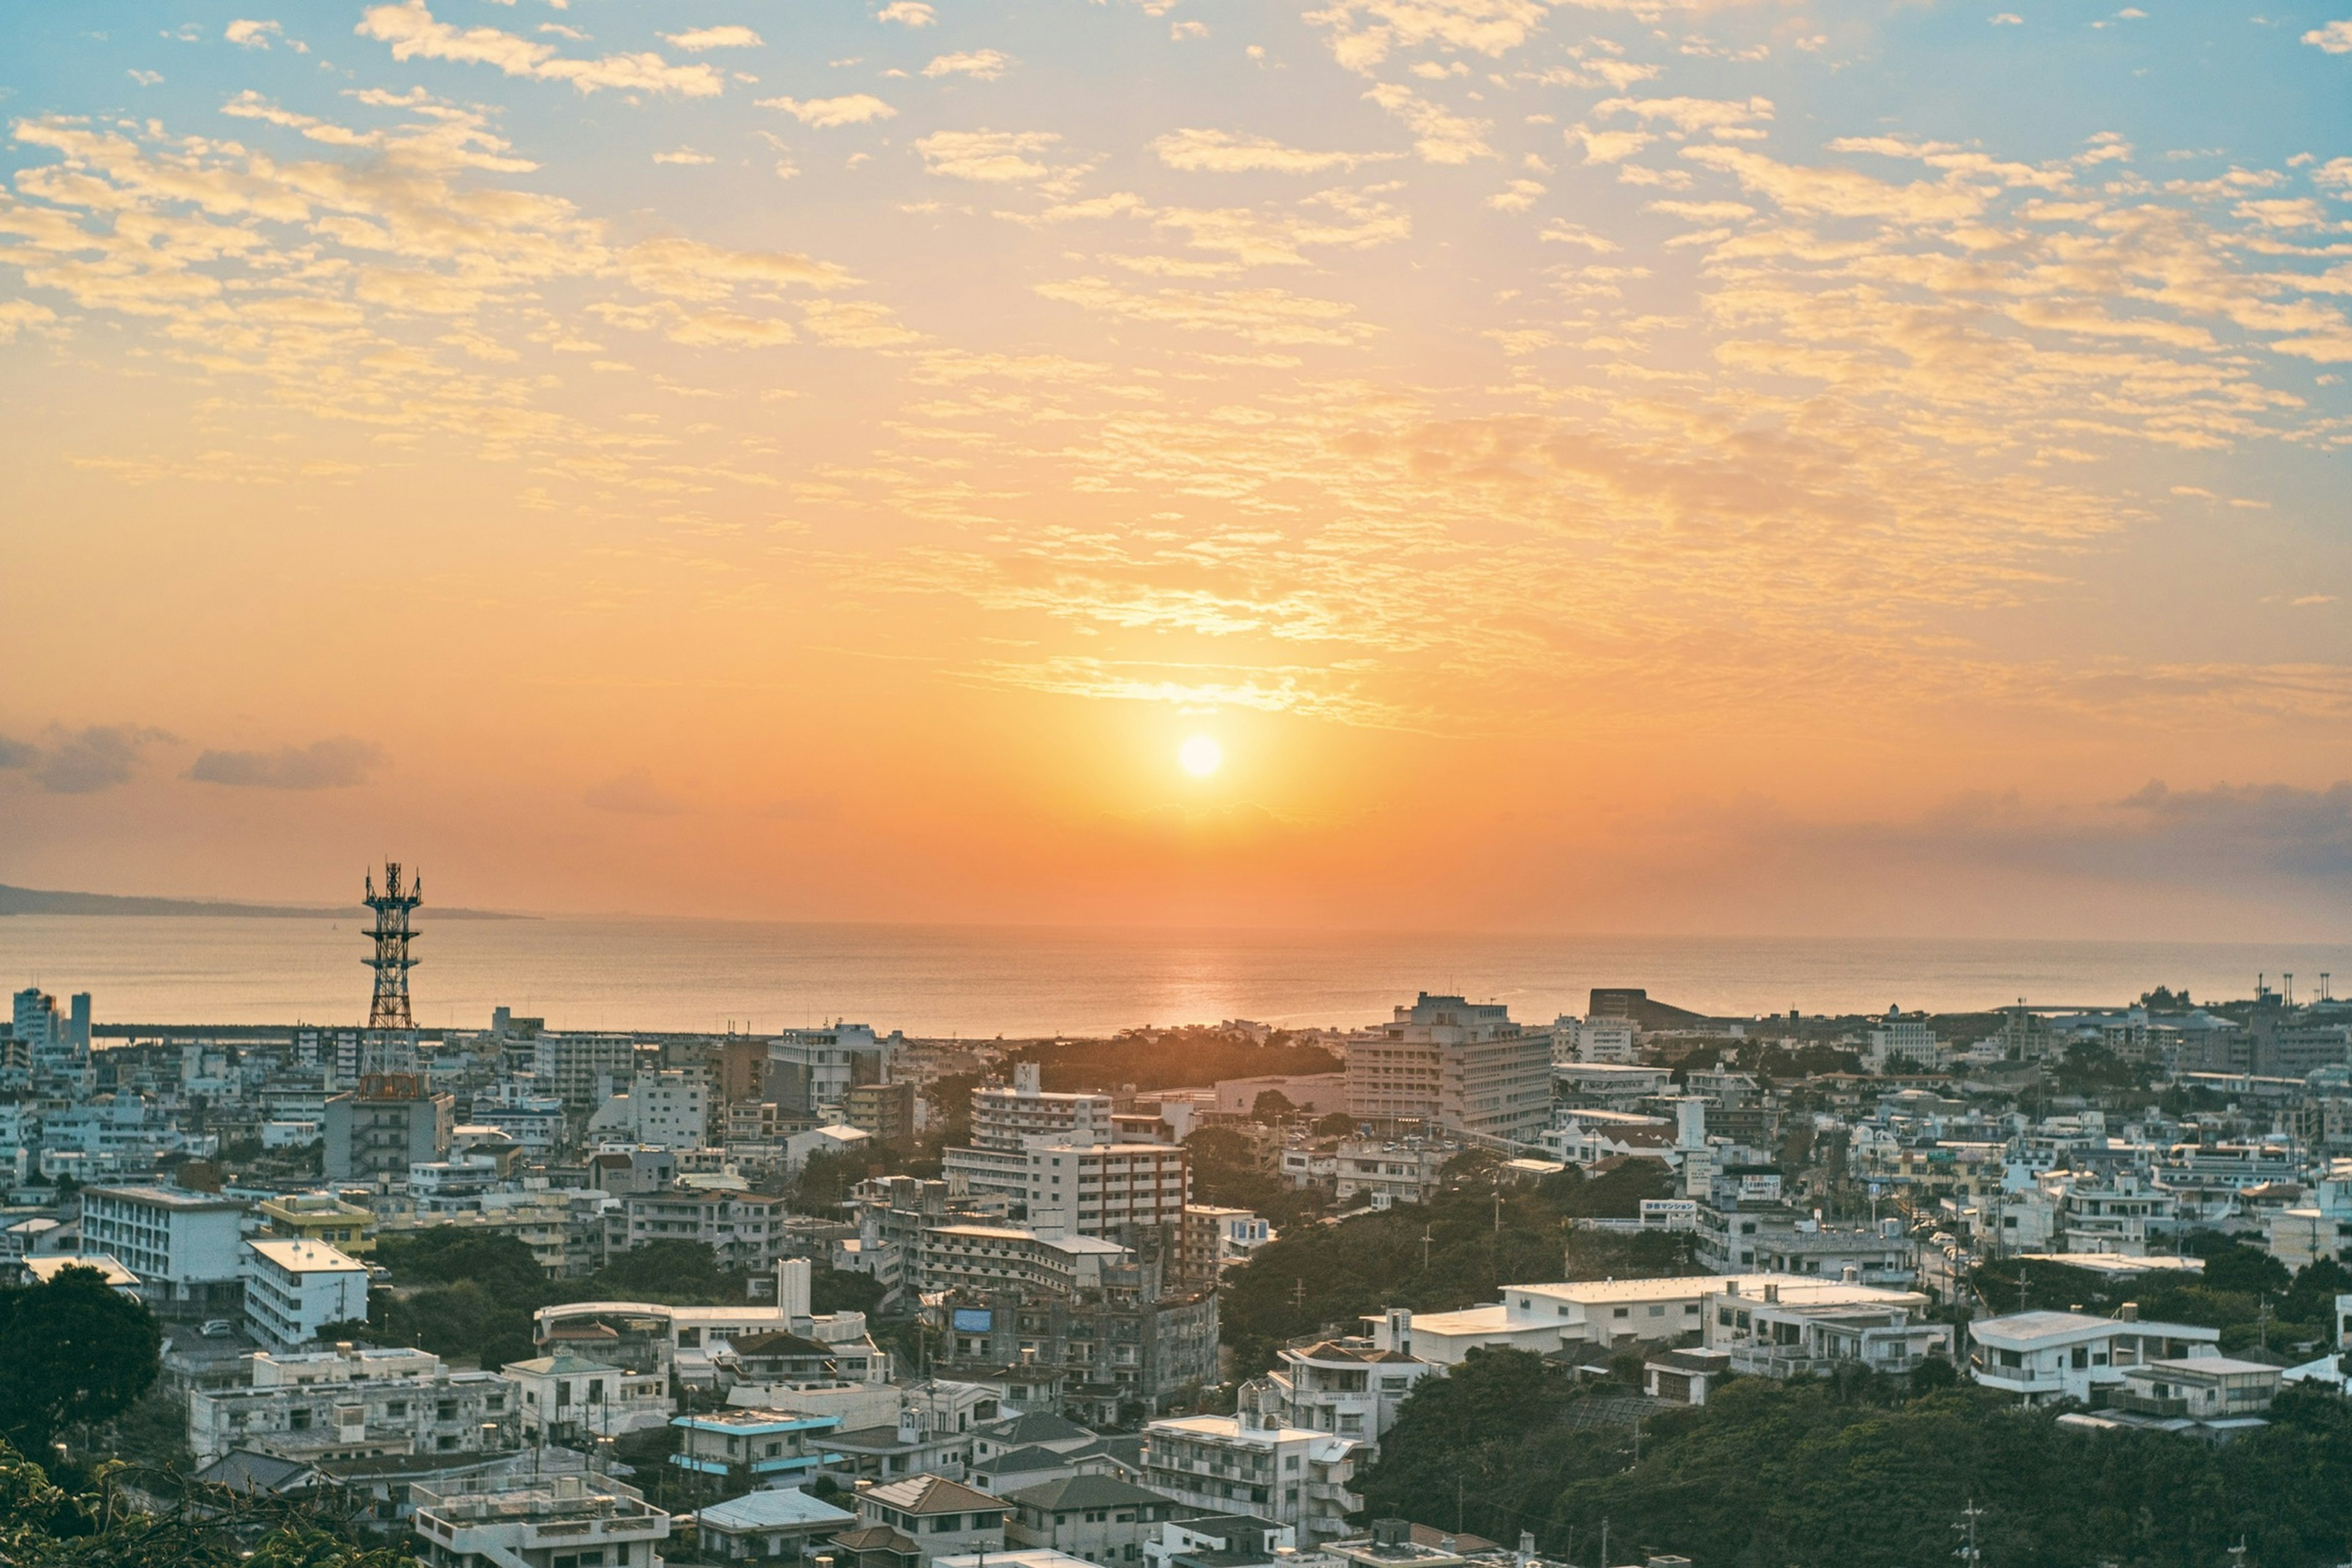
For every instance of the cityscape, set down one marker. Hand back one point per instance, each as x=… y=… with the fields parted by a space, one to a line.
x=1208 y=784
x=1191 y=1297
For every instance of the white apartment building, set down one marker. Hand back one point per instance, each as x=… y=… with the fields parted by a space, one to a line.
x=1246 y=1464
x=810 y=1071
x=668 y=1109
x=1545 y=1317
x=294 y=1288
x=743 y=1230
x=1348 y=1386
x=988 y=1258
x=184 y=1246
x=1381 y=1173
x=1900 y=1044
x=553 y=1521
x=1004 y=1119
x=352 y=1404
x=1607 y=1040
x=566 y=1397
x=581 y=1071
x=2046 y=1356
x=1092 y=1189
x=1461 y=1064
x=1770 y=1337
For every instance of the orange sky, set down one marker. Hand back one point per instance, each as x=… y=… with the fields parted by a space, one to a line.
x=1596 y=466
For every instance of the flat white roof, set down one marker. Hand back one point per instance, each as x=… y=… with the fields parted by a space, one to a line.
x=2045 y=1328
x=308 y=1258
x=1808 y=1288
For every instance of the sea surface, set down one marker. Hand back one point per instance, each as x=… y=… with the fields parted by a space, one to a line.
x=982 y=982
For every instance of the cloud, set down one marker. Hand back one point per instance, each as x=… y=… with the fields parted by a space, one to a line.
x=856 y=109
x=338 y=763
x=2007 y=19
x=414 y=34
x=1442 y=136
x=634 y=794
x=694 y=40
x=908 y=14
x=2336 y=38
x=1229 y=152
x=985 y=64
x=1365 y=31
x=684 y=155
x=249 y=35
x=80 y=761
x=992 y=157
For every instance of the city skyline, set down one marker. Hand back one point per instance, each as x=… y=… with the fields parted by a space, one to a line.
x=1460 y=464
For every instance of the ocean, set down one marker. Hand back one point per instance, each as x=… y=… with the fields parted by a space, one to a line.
x=981 y=982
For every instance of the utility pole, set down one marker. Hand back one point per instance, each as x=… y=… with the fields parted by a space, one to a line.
x=1425 y=1239
x=1969 y=1554
x=1604 y=1540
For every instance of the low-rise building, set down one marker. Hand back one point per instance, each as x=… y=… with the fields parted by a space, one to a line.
x=746 y=1449
x=2198 y=1388
x=567 y=1398
x=352 y=1404
x=294 y=1288
x=322 y=1217
x=781 y=1525
x=1546 y=1318
x=743 y=1230
x=943 y=1517
x=1348 y=1386
x=1100 y=1518
x=187 y=1249
x=1767 y=1336
x=561 y=1521
x=2044 y=1356
x=1247 y=1463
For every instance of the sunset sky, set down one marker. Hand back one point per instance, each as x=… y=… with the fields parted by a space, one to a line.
x=1610 y=466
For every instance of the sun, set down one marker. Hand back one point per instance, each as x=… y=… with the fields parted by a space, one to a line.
x=1200 y=756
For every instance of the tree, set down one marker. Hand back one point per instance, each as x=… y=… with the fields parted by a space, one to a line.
x=74 y=1350
x=1272 y=1105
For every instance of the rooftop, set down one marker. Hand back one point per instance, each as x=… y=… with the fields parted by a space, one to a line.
x=931 y=1494
x=167 y=1197
x=306 y=1258
x=772 y=1509
x=1086 y=1491
x=2044 y=1327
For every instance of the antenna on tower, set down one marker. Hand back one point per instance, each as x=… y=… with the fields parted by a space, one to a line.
x=388 y=1008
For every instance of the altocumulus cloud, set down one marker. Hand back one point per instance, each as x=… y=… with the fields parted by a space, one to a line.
x=337 y=762
x=79 y=762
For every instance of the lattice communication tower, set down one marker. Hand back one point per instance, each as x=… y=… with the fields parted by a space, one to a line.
x=388 y=1009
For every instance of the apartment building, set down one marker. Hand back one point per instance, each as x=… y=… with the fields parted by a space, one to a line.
x=1765 y=1336
x=1096 y=1189
x=1244 y=1464
x=1111 y=1348
x=743 y=1449
x=185 y=1248
x=1460 y=1064
x=355 y=1404
x=811 y=1071
x=1546 y=1318
x=294 y=1288
x=999 y=1258
x=1348 y=1386
x=2044 y=1356
x=390 y=1122
x=668 y=1108
x=743 y=1230
x=582 y=1070
x=568 y=1398
x=553 y=1521
x=322 y=1217
x=887 y=1111
x=1006 y=1119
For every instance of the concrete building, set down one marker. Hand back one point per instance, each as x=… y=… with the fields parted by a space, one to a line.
x=1100 y=1189
x=744 y=1449
x=294 y=1288
x=1546 y=1318
x=1461 y=1064
x=1898 y=1044
x=355 y=1404
x=1287 y=1474
x=390 y=1122
x=1766 y=1336
x=1003 y=1120
x=2198 y=1388
x=1348 y=1386
x=1380 y=1173
x=581 y=1071
x=999 y=1258
x=568 y=1398
x=1115 y=1350
x=811 y=1071
x=322 y=1218
x=2045 y=1356
x=885 y=1111
x=1096 y=1518
x=667 y=1108
x=556 y=1522
x=1214 y=1238
x=743 y=1230
x=780 y=1525
x=186 y=1247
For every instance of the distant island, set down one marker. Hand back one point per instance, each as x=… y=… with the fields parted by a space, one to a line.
x=36 y=901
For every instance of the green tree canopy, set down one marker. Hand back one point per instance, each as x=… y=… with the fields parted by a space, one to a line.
x=73 y=1350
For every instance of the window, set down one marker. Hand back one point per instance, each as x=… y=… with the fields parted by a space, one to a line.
x=1622 y=1312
